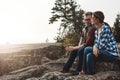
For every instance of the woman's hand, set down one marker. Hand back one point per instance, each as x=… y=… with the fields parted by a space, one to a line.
x=70 y=48
x=95 y=51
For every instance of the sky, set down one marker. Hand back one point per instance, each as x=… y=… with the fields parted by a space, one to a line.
x=26 y=21
x=110 y=8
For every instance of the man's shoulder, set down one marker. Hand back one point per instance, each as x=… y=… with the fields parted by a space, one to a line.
x=93 y=27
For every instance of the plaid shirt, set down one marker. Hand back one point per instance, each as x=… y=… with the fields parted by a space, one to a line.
x=105 y=41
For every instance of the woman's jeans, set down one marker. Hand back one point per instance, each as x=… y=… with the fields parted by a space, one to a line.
x=89 y=59
x=72 y=57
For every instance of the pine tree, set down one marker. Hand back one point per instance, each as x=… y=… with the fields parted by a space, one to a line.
x=117 y=28
x=69 y=13
x=70 y=16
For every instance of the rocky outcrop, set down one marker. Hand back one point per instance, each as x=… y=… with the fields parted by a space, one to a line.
x=46 y=64
x=14 y=61
x=57 y=65
x=50 y=71
x=24 y=73
x=109 y=75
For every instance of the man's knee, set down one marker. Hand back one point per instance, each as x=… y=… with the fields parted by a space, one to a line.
x=81 y=49
x=74 y=53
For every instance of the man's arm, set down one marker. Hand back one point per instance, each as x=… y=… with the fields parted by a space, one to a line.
x=71 y=48
x=80 y=42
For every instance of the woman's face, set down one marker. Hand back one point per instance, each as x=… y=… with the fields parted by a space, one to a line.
x=94 y=20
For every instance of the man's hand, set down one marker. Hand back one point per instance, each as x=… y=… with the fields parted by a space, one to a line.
x=95 y=51
x=70 y=48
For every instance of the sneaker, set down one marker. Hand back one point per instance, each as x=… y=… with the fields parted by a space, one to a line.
x=82 y=72
x=75 y=73
x=64 y=71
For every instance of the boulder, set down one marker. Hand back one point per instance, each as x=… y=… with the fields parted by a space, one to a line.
x=22 y=74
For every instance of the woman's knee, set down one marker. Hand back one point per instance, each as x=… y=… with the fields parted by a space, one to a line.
x=90 y=55
x=88 y=50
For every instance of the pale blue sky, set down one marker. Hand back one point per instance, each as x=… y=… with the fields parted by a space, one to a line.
x=26 y=21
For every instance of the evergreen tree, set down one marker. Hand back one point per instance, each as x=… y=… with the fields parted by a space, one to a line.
x=69 y=13
x=117 y=28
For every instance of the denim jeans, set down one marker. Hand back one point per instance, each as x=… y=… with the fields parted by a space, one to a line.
x=72 y=57
x=89 y=59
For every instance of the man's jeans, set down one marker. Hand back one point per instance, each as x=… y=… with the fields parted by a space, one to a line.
x=89 y=59
x=72 y=57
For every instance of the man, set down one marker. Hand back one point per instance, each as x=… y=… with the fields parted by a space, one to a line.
x=87 y=39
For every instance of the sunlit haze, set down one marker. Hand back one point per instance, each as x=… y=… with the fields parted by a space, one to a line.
x=26 y=21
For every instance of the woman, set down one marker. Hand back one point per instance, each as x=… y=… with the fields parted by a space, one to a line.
x=105 y=47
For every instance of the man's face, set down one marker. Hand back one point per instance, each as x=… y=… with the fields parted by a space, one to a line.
x=87 y=20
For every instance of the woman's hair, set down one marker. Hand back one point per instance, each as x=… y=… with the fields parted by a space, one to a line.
x=108 y=26
x=99 y=15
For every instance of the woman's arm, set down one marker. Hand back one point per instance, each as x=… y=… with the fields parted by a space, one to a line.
x=96 y=39
x=104 y=36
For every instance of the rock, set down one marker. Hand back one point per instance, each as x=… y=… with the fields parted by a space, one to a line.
x=107 y=66
x=33 y=78
x=24 y=73
x=30 y=57
x=51 y=65
x=109 y=75
x=100 y=66
x=45 y=60
x=53 y=52
x=53 y=76
x=50 y=71
x=55 y=65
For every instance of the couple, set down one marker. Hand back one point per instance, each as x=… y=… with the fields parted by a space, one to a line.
x=96 y=42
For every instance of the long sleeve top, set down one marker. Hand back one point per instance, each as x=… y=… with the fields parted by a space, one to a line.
x=88 y=35
x=105 y=41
